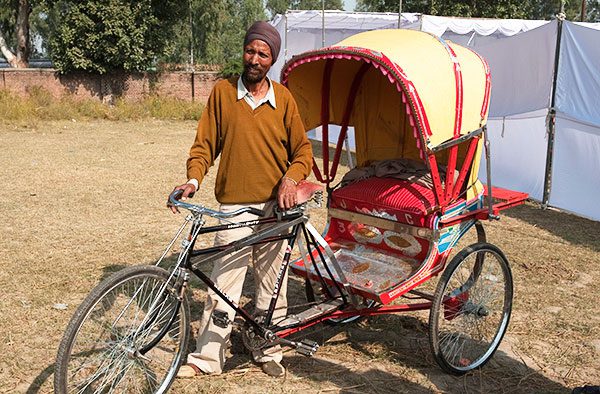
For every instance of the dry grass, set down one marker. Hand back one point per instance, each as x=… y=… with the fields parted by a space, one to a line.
x=39 y=106
x=81 y=199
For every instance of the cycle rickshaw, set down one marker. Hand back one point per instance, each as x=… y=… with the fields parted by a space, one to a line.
x=418 y=106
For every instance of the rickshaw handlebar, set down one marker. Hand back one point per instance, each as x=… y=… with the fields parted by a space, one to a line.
x=174 y=200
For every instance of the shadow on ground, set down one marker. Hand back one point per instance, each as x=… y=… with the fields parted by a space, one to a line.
x=357 y=357
x=573 y=229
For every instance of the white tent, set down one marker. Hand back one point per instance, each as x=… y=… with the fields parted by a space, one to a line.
x=526 y=120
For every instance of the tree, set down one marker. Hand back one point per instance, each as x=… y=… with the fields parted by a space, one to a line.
x=281 y=6
x=462 y=8
x=106 y=35
x=217 y=32
x=20 y=57
x=532 y=9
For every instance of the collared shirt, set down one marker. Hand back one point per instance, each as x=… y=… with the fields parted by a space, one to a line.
x=242 y=92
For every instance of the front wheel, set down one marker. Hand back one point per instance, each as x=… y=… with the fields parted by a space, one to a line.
x=471 y=308
x=128 y=335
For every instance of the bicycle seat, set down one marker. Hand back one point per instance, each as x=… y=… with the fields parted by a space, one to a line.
x=305 y=191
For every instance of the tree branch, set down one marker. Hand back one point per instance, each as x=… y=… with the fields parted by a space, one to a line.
x=6 y=52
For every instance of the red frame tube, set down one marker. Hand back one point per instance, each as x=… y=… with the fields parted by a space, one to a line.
x=381 y=310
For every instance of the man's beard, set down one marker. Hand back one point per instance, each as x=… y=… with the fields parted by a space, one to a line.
x=255 y=77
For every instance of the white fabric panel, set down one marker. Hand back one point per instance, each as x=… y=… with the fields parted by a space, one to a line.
x=304 y=30
x=518 y=152
x=334 y=133
x=506 y=27
x=472 y=39
x=341 y=20
x=578 y=86
x=522 y=68
x=576 y=168
x=595 y=26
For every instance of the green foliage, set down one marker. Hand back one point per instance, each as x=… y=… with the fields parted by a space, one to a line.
x=8 y=19
x=219 y=27
x=101 y=36
x=39 y=105
x=518 y=9
x=281 y=6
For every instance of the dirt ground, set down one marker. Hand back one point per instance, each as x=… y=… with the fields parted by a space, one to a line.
x=80 y=200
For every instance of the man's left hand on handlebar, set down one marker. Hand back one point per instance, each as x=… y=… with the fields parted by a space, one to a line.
x=286 y=195
x=188 y=191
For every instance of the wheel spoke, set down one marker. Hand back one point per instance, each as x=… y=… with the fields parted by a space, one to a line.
x=101 y=349
x=470 y=310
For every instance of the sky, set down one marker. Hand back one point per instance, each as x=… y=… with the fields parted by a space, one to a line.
x=349 y=5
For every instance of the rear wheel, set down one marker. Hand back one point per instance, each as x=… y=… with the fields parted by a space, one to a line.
x=128 y=335
x=471 y=308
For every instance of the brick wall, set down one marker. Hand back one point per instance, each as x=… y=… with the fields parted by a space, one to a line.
x=179 y=84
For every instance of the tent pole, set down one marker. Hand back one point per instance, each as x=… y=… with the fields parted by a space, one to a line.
x=323 y=24
x=399 y=14
x=285 y=52
x=551 y=118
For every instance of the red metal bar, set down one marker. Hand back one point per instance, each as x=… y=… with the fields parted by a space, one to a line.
x=346 y=119
x=480 y=214
x=450 y=171
x=317 y=172
x=466 y=166
x=509 y=199
x=459 y=92
x=325 y=89
x=362 y=312
x=437 y=182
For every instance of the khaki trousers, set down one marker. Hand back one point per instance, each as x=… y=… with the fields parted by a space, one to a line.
x=228 y=274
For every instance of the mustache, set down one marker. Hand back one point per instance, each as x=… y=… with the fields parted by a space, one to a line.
x=252 y=66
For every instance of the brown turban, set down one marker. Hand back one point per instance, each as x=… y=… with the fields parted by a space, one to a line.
x=263 y=31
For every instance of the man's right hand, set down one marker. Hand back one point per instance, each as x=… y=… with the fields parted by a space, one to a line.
x=188 y=191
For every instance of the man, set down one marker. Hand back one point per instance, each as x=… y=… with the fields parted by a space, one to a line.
x=254 y=125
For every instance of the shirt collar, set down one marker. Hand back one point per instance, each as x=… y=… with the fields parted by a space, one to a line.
x=269 y=97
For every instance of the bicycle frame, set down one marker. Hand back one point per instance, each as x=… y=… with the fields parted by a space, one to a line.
x=272 y=234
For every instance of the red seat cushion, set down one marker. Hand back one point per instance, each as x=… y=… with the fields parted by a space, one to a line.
x=389 y=198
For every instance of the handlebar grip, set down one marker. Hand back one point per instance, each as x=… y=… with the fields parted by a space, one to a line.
x=175 y=196
x=257 y=212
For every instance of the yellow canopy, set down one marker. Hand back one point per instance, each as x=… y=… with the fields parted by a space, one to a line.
x=404 y=92
x=443 y=86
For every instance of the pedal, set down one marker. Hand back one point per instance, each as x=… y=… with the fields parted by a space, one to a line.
x=307 y=347
x=220 y=319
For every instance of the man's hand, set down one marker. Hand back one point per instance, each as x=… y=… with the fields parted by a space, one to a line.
x=286 y=195
x=188 y=191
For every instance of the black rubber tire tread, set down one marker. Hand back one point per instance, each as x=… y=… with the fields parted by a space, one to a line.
x=97 y=295
x=437 y=304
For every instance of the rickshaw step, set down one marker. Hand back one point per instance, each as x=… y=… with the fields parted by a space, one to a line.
x=307 y=347
x=312 y=312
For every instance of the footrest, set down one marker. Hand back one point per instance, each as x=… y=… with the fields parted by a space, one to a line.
x=311 y=313
x=371 y=273
x=504 y=198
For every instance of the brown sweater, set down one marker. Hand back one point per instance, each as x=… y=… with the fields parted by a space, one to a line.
x=257 y=147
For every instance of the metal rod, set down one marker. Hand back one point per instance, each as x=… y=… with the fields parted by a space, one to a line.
x=285 y=53
x=551 y=119
x=348 y=152
x=399 y=14
x=323 y=24
x=488 y=167
x=191 y=38
x=456 y=141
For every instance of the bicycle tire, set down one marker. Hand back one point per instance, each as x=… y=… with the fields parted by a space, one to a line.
x=128 y=311
x=471 y=308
